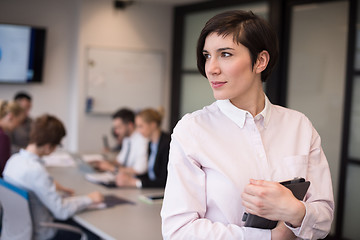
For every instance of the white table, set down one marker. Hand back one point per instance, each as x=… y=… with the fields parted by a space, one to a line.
x=125 y=221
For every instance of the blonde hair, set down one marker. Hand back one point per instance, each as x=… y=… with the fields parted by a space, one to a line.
x=7 y=107
x=150 y=115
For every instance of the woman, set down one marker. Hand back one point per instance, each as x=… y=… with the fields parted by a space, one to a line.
x=11 y=115
x=229 y=157
x=148 y=123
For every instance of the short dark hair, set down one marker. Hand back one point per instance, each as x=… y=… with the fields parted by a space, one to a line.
x=247 y=29
x=22 y=95
x=125 y=114
x=47 y=129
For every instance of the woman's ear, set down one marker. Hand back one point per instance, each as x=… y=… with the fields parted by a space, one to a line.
x=154 y=125
x=262 y=61
x=46 y=149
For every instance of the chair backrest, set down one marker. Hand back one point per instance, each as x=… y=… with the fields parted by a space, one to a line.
x=16 y=222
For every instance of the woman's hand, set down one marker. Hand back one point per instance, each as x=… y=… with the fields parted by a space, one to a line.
x=103 y=165
x=281 y=232
x=127 y=170
x=125 y=180
x=96 y=197
x=273 y=201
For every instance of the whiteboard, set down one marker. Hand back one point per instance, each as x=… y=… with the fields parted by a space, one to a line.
x=117 y=78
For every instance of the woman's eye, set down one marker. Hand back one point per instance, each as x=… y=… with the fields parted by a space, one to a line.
x=226 y=54
x=206 y=56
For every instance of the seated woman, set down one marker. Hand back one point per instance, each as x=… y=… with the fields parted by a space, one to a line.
x=148 y=123
x=26 y=170
x=11 y=115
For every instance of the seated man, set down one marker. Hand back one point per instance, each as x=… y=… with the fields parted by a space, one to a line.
x=20 y=136
x=26 y=170
x=132 y=157
x=111 y=152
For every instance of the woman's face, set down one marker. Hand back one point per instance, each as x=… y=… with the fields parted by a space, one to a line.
x=228 y=68
x=14 y=121
x=146 y=129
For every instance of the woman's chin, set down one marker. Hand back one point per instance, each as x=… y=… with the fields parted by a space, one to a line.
x=218 y=96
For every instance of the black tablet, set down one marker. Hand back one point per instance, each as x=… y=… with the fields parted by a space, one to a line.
x=298 y=187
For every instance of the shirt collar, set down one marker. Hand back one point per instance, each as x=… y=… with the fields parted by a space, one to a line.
x=31 y=156
x=238 y=116
x=266 y=112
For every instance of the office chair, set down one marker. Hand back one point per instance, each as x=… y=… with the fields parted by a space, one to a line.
x=18 y=222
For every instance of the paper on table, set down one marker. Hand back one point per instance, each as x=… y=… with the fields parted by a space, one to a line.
x=92 y=157
x=103 y=177
x=59 y=159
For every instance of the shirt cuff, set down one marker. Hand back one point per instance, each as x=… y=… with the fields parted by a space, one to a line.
x=138 y=183
x=87 y=200
x=297 y=230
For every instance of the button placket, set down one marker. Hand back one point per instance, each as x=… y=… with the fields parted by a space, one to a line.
x=257 y=143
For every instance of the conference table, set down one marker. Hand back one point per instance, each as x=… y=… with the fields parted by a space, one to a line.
x=140 y=220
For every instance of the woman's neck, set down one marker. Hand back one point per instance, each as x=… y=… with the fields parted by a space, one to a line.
x=253 y=102
x=155 y=136
x=3 y=125
x=33 y=149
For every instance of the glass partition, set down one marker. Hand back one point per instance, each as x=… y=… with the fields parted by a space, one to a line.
x=317 y=70
x=351 y=228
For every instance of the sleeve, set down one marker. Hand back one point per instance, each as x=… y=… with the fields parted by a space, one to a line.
x=184 y=206
x=141 y=155
x=61 y=208
x=319 y=201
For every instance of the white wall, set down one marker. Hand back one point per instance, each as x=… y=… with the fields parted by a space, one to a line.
x=141 y=26
x=72 y=26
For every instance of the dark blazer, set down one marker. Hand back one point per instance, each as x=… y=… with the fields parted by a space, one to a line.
x=160 y=166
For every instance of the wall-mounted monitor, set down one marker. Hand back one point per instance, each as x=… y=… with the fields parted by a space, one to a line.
x=22 y=51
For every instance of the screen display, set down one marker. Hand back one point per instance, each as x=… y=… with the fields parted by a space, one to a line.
x=21 y=53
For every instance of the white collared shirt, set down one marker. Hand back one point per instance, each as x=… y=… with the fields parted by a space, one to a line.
x=213 y=154
x=27 y=170
x=134 y=153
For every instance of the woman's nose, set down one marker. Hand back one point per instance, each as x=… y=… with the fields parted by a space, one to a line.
x=212 y=67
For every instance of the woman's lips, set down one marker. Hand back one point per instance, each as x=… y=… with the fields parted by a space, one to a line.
x=217 y=84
